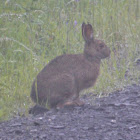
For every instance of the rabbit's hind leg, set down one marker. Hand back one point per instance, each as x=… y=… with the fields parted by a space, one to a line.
x=76 y=102
x=66 y=104
x=63 y=90
x=71 y=103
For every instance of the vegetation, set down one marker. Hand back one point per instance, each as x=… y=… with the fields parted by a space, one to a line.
x=32 y=32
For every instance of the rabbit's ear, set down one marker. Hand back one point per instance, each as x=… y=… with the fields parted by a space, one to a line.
x=83 y=26
x=87 y=32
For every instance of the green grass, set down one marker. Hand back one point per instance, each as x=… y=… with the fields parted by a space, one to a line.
x=32 y=32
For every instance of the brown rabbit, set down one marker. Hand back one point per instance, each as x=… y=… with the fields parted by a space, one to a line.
x=61 y=81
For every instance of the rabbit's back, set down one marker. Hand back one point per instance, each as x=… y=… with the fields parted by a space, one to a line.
x=72 y=64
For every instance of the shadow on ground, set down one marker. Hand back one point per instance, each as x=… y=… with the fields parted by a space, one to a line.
x=116 y=117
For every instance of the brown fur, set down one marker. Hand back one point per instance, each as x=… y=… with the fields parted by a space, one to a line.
x=61 y=81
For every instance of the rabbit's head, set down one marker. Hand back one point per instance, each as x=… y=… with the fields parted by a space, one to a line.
x=94 y=48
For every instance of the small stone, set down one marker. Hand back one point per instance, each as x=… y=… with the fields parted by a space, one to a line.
x=43 y=136
x=70 y=139
x=57 y=126
x=36 y=123
x=61 y=134
x=34 y=130
x=15 y=125
x=85 y=128
x=113 y=121
x=18 y=132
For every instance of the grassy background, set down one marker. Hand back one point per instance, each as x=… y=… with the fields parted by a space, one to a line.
x=32 y=32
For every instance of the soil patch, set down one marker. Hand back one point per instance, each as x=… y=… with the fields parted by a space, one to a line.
x=116 y=117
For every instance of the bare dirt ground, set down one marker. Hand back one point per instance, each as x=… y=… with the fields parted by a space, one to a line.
x=116 y=117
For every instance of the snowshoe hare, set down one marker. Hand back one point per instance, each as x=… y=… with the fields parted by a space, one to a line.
x=60 y=81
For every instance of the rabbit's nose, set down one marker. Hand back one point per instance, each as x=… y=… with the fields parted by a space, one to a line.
x=108 y=50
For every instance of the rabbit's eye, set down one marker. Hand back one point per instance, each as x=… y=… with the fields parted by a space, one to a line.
x=101 y=45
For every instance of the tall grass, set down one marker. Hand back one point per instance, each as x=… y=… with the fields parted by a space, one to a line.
x=32 y=32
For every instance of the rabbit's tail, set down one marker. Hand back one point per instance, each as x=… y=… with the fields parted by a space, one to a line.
x=35 y=96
